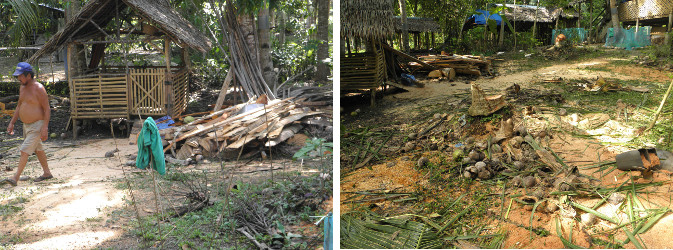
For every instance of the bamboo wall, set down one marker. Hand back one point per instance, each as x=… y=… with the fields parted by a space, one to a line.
x=140 y=92
x=99 y=97
x=362 y=71
x=180 y=88
x=644 y=9
x=147 y=92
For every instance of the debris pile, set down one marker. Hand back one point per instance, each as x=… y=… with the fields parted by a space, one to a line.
x=260 y=124
x=461 y=64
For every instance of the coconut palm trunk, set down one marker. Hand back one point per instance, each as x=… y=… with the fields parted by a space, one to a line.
x=263 y=30
x=323 y=37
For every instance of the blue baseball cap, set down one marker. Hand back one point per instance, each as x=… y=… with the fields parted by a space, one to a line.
x=22 y=67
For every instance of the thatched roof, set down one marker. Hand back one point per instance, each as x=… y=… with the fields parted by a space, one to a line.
x=368 y=19
x=102 y=12
x=417 y=24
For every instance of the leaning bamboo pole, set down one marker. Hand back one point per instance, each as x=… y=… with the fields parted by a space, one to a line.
x=661 y=106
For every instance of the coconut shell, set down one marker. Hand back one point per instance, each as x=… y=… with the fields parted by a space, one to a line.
x=529 y=181
x=422 y=161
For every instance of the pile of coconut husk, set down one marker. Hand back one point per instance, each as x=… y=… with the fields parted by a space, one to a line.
x=516 y=152
x=261 y=124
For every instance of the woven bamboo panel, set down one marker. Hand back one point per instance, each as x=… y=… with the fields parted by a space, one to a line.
x=147 y=95
x=180 y=87
x=100 y=97
x=645 y=9
x=362 y=71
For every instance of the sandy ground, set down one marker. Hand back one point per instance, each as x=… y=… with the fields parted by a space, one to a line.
x=399 y=174
x=71 y=210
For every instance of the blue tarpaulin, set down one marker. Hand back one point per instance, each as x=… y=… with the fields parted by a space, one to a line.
x=481 y=18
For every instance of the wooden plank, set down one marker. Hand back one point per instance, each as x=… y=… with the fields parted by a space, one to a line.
x=408 y=57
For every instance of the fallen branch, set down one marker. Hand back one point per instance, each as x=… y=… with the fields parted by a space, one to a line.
x=661 y=106
x=251 y=238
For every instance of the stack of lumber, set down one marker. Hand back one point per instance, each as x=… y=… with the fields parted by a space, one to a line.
x=246 y=124
x=462 y=64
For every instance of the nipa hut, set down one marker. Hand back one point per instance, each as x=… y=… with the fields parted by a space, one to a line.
x=98 y=90
x=524 y=17
x=655 y=13
x=368 y=22
x=647 y=12
x=418 y=26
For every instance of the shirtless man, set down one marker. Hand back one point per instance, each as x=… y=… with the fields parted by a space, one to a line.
x=33 y=109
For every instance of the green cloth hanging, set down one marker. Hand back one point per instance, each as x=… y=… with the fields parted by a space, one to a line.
x=150 y=147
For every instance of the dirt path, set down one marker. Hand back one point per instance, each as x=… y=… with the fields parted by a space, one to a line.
x=400 y=172
x=73 y=209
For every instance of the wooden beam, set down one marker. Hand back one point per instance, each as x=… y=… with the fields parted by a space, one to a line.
x=223 y=91
x=168 y=79
x=408 y=57
x=185 y=58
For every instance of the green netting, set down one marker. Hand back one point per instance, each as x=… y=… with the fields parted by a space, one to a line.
x=573 y=35
x=628 y=38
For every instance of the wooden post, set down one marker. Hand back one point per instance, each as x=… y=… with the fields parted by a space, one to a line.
x=637 y=17
x=373 y=101
x=433 y=39
x=185 y=58
x=427 y=41
x=68 y=58
x=405 y=29
x=168 y=86
x=670 y=22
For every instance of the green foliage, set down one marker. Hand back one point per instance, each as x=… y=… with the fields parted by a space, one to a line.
x=386 y=233
x=315 y=147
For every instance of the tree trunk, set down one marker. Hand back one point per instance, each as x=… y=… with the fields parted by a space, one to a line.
x=264 y=31
x=501 y=38
x=405 y=29
x=579 y=14
x=535 y=23
x=78 y=58
x=668 y=34
x=591 y=21
x=282 y=26
x=514 y=25
x=247 y=24
x=614 y=14
x=323 y=37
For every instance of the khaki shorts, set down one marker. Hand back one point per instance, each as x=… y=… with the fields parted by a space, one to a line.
x=33 y=142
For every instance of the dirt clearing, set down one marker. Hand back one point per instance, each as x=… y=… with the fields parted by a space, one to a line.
x=542 y=185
